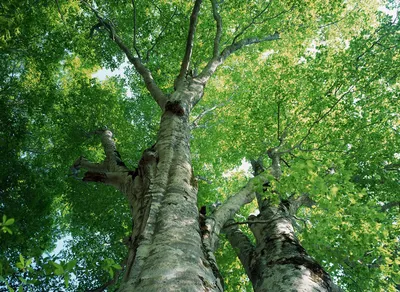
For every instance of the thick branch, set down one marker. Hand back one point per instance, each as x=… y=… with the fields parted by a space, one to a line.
x=228 y=209
x=151 y=85
x=296 y=203
x=189 y=42
x=241 y=244
x=109 y=170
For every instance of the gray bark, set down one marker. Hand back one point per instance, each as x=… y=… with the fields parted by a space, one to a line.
x=166 y=250
x=277 y=261
x=166 y=253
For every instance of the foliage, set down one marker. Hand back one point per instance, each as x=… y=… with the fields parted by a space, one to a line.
x=330 y=86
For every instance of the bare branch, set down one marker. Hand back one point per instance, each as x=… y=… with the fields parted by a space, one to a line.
x=110 y=170
x=244 y=222
x=189 y=42
x=296 y=203
x=392 y=166
x=151 y=85
x=199 y=177
x=226 y=211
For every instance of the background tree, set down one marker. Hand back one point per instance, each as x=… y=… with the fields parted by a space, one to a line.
x=305 y=90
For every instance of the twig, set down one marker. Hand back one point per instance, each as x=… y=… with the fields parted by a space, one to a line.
x=280 y=139
x=251 y=22
x=59 y=11
x=160 y=34
x=135 y=28
x=201 y=115
x=322 y=116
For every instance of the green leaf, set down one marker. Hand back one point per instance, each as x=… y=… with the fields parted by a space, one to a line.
x=22 y=260
x=66 y=280
x=6 y=229
x=111 y=272
x=9 y=222
x=70 y=265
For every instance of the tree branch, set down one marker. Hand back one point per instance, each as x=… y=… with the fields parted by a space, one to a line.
x=218 y=33
x=135 y=28
x=109 y=170
x=59 y=11
x=214 y=63
x=241 y=244
x=201 y=115
x=189 y=43
x=151 y=85
x=160 y=35
x=392 y=166
x=390 y=205
x=296 y=203
x=251 y=22
x=227 y=210
x=322 y=116
x=243 y=222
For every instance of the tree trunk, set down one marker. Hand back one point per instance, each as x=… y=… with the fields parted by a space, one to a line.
x=166 y=252
x=277 y=262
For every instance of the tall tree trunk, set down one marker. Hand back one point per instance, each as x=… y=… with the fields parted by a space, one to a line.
x=166 y=252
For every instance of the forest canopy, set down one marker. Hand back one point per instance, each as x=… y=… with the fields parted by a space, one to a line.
x=316 y=82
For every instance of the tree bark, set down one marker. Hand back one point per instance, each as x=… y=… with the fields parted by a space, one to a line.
x=277 y=261
x=166 y=250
